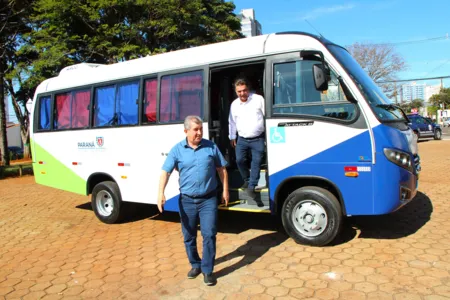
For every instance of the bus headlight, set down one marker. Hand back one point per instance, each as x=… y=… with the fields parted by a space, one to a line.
x=400 y=158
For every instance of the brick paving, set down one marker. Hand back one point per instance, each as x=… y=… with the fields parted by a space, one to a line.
x=53 y=247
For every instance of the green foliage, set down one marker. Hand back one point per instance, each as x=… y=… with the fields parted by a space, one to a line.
x=67 y=32
x=441 y=100
x=432 y=110
x=407 y=106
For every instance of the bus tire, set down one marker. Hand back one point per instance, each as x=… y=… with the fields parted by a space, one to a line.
x=437 y=134
x=107 y=202
x=312 y=216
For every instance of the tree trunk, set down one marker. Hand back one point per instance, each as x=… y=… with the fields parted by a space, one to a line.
x=26 y=142
x=3 y=138
x=23 y=118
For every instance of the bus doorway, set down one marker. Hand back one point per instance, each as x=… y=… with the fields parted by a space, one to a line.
x=222 y=94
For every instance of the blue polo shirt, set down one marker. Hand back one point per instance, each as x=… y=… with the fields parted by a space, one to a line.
x=197 y=167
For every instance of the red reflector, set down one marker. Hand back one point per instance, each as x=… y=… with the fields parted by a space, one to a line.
x=41 y=162
x=350 y=169
x=121 y=164
x=74 y=163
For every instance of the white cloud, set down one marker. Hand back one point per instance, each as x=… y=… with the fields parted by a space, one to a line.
x=321 y=11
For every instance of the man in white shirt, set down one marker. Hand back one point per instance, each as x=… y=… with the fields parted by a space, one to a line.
x=246 y=123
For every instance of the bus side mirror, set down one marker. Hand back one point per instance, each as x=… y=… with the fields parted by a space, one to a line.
x=320 y=79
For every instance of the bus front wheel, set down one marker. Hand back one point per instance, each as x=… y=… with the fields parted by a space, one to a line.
x=107 y=202
x=312 y=216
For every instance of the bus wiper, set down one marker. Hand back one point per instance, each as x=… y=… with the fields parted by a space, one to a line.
x=388 y=106
x=392 y=107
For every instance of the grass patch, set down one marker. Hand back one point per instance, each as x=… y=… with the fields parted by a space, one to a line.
x=15 y=170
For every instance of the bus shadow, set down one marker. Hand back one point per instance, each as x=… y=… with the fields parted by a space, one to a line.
x=404 y=222
x=249 y=252
x=228 y=222
x=231 y=222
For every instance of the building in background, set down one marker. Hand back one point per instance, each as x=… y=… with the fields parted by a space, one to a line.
x=413 y=91
x=249 y=25
x=431 y=90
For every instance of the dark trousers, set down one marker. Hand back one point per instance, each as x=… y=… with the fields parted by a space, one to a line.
x=255 y=146
x=191 y=211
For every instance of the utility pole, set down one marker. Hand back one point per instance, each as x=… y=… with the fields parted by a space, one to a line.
x=395 y=92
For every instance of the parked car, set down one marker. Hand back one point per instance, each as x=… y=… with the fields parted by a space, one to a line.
x=424 y=127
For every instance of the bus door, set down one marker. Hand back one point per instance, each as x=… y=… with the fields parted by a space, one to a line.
x=315 y=137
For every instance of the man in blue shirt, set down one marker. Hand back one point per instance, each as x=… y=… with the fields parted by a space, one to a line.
x=197 y=161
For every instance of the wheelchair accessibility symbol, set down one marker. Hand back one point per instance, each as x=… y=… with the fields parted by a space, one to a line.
x=277 y=135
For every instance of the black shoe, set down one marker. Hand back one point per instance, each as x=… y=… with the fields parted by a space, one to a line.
x=244 y=186
x=209 y=279
x=251 y=193
x=194 y=272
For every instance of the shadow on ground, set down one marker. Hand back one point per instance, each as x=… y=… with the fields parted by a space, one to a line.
x=404 y=222
x=250 y=252
x=229 y=222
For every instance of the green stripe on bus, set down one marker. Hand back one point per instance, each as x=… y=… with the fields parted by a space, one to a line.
x=55 y=174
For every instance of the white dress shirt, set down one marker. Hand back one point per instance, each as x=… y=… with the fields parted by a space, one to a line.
x=247 y=118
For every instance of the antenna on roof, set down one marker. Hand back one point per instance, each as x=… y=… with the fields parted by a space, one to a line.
x=313 y=27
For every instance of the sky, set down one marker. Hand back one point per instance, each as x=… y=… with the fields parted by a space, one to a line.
x=408 y=24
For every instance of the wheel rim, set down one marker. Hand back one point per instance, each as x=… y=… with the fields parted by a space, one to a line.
x=309 y=218
x=438 y=134
x=104 y=203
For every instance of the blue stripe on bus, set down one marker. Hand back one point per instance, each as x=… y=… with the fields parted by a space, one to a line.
x=375 y=192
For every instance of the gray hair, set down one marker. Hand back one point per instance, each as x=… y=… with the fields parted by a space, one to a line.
x=241 y=81
x=189 y=119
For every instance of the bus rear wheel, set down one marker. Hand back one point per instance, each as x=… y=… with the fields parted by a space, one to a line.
x=107 y=202
x=312 y=216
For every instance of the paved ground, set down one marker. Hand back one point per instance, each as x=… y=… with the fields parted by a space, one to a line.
x=53 y=247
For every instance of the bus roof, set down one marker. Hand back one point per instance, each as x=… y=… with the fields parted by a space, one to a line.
x=85 y=74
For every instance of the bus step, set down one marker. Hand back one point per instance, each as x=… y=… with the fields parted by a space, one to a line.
x=261 y=200
x=240 y=205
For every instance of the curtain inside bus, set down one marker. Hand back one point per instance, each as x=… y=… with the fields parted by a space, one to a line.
x=181 y=95
x=150 y=101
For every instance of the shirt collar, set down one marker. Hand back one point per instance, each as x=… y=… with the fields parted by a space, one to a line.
x=185 y=144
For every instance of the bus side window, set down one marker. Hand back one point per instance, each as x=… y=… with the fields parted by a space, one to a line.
x=116 y=105
x=44 y=113
x=150 y=101
x=126 y=103
x=72 y=110
x=181 y=96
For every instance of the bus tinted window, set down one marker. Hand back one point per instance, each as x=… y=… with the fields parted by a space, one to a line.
x=44 y=112
x=116 y=104
x=72 y=110
x=150 y=101
x=181 y=96
x=127 y=103
x=295 y=92
x=80 y=109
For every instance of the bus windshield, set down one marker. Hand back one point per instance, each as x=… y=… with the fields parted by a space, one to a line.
x=380 y=104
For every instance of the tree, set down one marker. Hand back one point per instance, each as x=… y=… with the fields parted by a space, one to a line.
x=14 y=25
x=441 y=100
x=109 y=31
x=408 y=106
x=381 y=62
x=59 y=33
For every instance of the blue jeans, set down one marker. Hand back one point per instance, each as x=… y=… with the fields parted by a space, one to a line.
x=243 y=148
x=191 y=210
